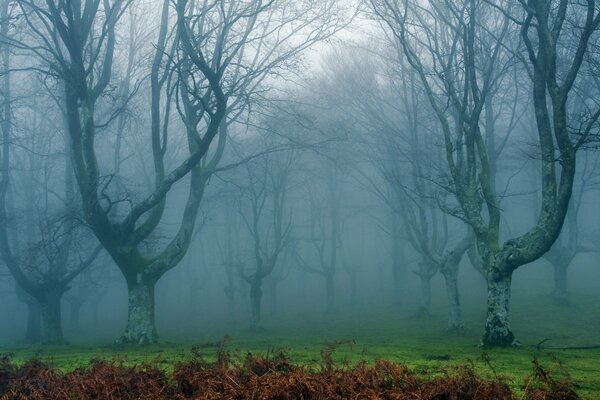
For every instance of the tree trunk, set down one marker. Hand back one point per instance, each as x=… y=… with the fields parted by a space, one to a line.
x=329 y=292
x=455 y=318
x=561 y=283
x=425 y=295
x=497 y=325
x=255 y=302
x=51 y=317
x=33 y=333
x=140 y=318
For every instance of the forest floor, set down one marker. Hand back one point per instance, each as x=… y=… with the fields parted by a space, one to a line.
x=364 y=333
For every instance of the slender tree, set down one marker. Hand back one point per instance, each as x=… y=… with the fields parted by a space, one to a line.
x=268 y=221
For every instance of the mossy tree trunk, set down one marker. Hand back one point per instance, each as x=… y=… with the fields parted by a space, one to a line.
x=140 y=328
x=497 y=324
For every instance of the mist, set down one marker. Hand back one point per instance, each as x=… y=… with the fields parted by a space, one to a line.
x=286 y=173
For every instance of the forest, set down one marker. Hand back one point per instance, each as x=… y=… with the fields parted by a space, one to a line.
x=300 y=199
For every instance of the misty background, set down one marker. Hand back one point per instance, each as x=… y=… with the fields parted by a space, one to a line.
x=186 y=169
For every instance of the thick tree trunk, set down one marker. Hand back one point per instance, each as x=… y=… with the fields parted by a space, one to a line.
x=140 y=318
x=561 y=294
x=51 y=318
x=33 y=333
x=255 y=302
x=455 y=318
x=497 y=324
x=329 y=292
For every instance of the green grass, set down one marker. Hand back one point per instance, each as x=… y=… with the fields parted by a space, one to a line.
x=387 y=333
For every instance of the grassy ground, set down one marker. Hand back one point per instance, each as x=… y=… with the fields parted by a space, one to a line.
x=370 y=334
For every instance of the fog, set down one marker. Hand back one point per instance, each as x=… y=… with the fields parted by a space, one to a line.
x=183 y=170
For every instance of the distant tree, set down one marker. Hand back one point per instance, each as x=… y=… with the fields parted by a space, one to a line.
x=268 y=221
x=325 y=229
x=42 y=242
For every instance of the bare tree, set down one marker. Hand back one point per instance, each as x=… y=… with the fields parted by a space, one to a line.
x=209 y=57
x=326 y=230
x=444 y=46
x=269 y=221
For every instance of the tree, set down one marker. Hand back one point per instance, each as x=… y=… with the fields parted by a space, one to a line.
x=208 y=60
x=444 y=45
x=269 y=222
x=42 y=243
x=569 y=245
x=326 y=228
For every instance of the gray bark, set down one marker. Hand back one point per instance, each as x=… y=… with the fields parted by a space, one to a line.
x=497 y=323
x=140 y=317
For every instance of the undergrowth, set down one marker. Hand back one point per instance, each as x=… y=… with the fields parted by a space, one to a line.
x=270 y=376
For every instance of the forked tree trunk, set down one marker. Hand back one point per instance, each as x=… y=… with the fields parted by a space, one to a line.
x=255 y=302
x=455 y=317
x=497 y=324
x=51 y=317
x=140 y=327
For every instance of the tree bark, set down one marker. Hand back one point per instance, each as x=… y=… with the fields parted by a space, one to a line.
x=455 y=317
x=140 y=317
x=497 y=324
x=51 y=317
